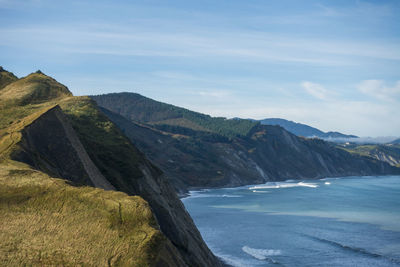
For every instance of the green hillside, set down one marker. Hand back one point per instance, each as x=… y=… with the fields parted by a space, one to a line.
x=145 y=110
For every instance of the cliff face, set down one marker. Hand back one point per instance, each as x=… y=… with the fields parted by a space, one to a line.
x=193 y=158
x=70 y=138
x=285 y=156
x=51 y=145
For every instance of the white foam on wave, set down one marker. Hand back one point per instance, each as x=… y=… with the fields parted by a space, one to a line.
x=261 y=254
x=327 y=183
x=329 y=178
x=201 y=194
x=274 y=185
x=260 y=191
x=233 y=261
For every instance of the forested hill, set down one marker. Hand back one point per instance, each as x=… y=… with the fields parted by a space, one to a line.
x=145 y=110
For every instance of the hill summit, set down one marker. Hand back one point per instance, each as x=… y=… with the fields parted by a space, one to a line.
x=33 y=89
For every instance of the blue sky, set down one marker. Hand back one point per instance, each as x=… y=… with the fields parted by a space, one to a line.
x=334 y=65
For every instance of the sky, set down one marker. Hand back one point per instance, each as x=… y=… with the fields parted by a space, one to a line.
x=334 y=65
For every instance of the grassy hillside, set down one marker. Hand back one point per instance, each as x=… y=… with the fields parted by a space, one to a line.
x=145 y=110
x=6 y=78
x=44 y=221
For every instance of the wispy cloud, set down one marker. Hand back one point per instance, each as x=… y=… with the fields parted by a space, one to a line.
x=316 y=90
x=217 y=44
x=379 y=90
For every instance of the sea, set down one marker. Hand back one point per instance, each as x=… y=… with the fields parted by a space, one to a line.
x=347 y=221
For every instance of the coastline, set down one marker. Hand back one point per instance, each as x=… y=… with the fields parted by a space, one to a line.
x=190 y=190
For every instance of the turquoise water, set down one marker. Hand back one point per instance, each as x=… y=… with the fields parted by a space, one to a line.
x=352 y=221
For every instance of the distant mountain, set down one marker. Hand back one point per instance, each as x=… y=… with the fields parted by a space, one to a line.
x=304 y=130
x=397 y=141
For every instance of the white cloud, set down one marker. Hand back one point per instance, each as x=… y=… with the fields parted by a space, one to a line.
x=379 y=90
x=316 y=90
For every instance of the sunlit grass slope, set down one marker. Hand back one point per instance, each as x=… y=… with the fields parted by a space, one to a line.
x=45 y=221
x=33 y=89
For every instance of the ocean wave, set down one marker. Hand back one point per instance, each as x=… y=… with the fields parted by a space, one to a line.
x=232 y=261
x=260 y=191
x=202 y=195
x=351 y=248
x=262 y=254
x=274 y=185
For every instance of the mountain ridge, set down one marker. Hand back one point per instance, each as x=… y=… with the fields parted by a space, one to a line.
x=159 y=114
x=304 y=130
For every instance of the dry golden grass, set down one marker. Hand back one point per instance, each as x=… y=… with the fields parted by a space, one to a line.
x=45 y=221
x=32 y=89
